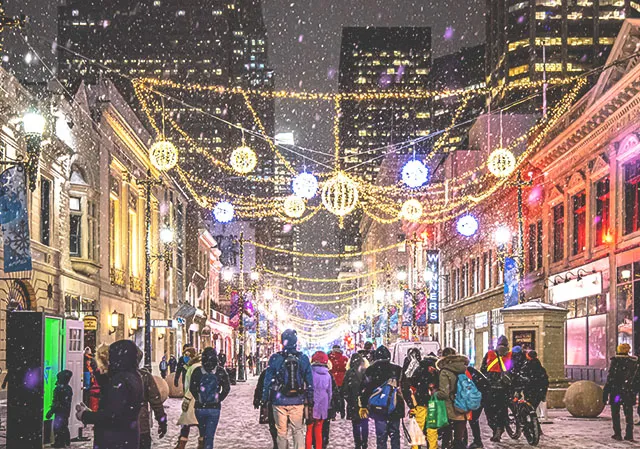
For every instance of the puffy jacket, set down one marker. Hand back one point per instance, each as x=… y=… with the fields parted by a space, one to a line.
x=338 y=366
x=377 y=374
x=322 y=391
x=62 y=395
x=450 y=367
x=622 y=380
x=422 y=384
x=352 y=385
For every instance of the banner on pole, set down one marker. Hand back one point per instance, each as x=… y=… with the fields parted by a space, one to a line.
x=432 y=279
x=421 y=309
x=394 y=319
x=14 y=218
x=407 y=309
x=511 y=282
x=234 y=319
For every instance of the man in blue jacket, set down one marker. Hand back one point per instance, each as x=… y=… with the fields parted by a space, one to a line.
x=288 y=385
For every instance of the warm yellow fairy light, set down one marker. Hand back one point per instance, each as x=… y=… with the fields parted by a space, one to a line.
x=294 y=206
x=163 y=155
x=501 y=162
x=243 y=160
x=340 y=195
x=411 y=210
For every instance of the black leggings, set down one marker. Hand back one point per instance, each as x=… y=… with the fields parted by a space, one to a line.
x=474 y=424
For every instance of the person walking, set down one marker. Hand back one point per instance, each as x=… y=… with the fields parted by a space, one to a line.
x=209 y=386
x=183 y=365
x=450 y=366
x=61 y=407
x=535 y=380
x=116 y=421
x=338 y=370
x=173 y=364
x=89 y=366
x=322 y=395
x=484 y=387
x=367 y=352
x=151 y=397
x=496 y=366
x=417 y=392
x=164 y=366
x=383 y=380
x=188 y=417
x=351 y=388
x=619 y=390
x=257 y=397
x=288 y=385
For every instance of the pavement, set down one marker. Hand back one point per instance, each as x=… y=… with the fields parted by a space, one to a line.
x=239 y=429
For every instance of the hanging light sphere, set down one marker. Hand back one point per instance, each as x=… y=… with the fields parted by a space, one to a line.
x=305 y=185
x=467 y=225
x=501 y=162
x=243 y=160
x=340 y=195
x=411 y=210
x=414 y=173
x=223 y=212
x=163 y=155
x=294 y=206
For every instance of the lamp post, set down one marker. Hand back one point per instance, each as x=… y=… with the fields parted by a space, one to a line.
x=519 y=183
x=242 y=375
x=33 y=124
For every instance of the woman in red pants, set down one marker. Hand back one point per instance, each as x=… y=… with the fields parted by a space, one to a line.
x=321 y=399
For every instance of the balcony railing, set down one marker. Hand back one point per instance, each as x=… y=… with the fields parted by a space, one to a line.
x=135 y=284
x=117 y=277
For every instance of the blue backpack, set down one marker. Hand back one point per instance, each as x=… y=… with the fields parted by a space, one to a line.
x=384 y=399
x=468 y=397
x=290 y=380
x=209 y=385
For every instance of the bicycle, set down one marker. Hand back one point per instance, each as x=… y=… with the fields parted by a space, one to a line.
x=522 y=418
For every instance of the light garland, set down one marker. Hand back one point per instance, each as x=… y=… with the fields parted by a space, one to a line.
x=411 y=210
x=321 y=280
x=325 y=255
x=321 y=295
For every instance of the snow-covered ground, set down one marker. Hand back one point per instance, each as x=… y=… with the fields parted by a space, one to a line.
x=239 y=429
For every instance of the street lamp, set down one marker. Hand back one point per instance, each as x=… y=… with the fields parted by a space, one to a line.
x=268 y=294
x=33 y=125
x=401 y=275
x=502 y=235
x=133 y=326
x=227 y=274
x=166 y=235
x=114 y=321
x=255 y=276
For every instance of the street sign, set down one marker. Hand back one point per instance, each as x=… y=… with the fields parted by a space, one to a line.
x=90 y=323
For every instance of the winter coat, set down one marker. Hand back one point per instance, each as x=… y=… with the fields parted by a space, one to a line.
x=257 y=392
x=173 y=363
x=535 y=380
x=322 y=391
x=366 y=354
x=621 y=386
x=152 y=398
x=336 y=403
x=338 y=366
x=181 y=370
x=116 y=421
x=188 y=418
x=209 y=365
x=62 y=395
x=450 y=367
x=377 y=374
x=422 y=384
x=352 y=385
x=272 y=382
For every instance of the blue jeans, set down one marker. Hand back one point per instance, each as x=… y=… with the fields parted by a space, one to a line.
x=360 y=432
x=208 y=419
x=388 y=429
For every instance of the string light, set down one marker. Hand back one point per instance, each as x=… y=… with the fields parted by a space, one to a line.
x=501 y=162
x=320 y=280
x=326 y=255
x=321 y=295
x=340 y=195
x=163 y=155
x=294 y=206
x=223 y=212
x=243 y=160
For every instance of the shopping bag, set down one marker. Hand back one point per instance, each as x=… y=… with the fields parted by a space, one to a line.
x=436 y=413
x=413 y=433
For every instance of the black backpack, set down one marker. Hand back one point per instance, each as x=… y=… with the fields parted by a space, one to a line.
x=290 y=375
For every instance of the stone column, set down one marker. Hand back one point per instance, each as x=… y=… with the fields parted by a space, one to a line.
x=547 y=323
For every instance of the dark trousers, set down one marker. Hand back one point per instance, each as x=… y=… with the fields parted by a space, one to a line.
x=454 y=434
x=272 y=428
x=61 y=432
x=628 y=417
x=360 y=432
x=474 y=424
x=496 y=408
x=145 y=441
x=389 y=429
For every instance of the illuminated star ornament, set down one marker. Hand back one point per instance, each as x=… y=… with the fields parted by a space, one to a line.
x=223 y=212
x=414 y=174
x=305 y=185
x=467 y=225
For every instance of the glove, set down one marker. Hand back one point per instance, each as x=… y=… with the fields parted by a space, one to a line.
x=49 y=414
x=162 y=427
x=256 y=404
x=185 y=405
x=80 y=409
x=412 y=413
x=363 y=413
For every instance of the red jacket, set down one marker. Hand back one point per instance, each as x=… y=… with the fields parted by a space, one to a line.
x=338 y=366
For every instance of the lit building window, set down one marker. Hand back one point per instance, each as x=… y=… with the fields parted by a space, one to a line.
x=514 y=71
x=580 y=41
x=521 y=43
x=548 y=41
x=550 y=67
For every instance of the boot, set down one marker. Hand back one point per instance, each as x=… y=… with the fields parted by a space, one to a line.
x=200 y=443
x=497 y=434
x=476 y=445
x=182 y=443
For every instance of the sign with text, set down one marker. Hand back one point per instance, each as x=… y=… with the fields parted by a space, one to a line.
x=432 y=279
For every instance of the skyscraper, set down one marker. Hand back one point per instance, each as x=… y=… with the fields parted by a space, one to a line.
x=387 y=60
x=560 y=37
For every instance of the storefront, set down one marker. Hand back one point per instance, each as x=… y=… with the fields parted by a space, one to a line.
x=627 y=301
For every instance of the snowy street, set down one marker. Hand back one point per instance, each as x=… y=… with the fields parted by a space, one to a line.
x=239 y=428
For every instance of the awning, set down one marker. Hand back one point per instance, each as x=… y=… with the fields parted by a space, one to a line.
x=185 y=311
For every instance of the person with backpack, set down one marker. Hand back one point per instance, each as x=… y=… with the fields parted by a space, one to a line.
x=164 y=366
x=484 y=387
x=418 y=390
x=173 y=364
x=187 y=418
x=381 y=398
x=620 y=390
x=351 y=389
x=461 y=396
x=534 y=379
x=288 y=385
x=209 y=386
x=257 y=399
x=497 y=366
x=322 y=395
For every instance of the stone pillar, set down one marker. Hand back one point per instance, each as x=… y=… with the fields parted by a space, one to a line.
x=544 y=324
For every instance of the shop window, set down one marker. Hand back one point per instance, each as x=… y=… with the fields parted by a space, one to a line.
x=531 y=248
x=577 y=341
x=626 y=292
x=587 y=332
x=558 y=232
x=579 y=202
x=75 y=227
x=486 y=270
x=601 y=219
x=631 y=197
x=539 y=245
x=45 y=211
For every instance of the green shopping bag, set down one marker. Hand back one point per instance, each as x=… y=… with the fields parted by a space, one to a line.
x=436 y=413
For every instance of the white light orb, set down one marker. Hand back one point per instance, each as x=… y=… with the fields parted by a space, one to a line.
x=163 y=155
x=414 y=173
x=33 y=123
x=467 y=225
x=223 y=212
x=411 y=210
x=294 y=206
x=501 y=162
x=243 y=160
x=305 y=185
x=502 y=235
x=340 y=195
x=166 y=235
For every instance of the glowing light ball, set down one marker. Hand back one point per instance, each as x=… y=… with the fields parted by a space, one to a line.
x=501 y=162
x=223 y=212
x=340 y=195
x=163 y=155
x=243 y=160
x=414 y=173
x=411 y=210
x=305 y=185
x=294 y=206
x=467 y=225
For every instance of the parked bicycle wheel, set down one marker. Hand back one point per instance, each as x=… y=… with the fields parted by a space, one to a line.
x=530 y=424
x=512 y=426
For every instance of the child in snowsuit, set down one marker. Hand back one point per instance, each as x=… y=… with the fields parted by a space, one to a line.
x=61 y=407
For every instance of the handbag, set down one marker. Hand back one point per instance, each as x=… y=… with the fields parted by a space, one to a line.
x=436 y=413
x=413 y=433
x=264 y=414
